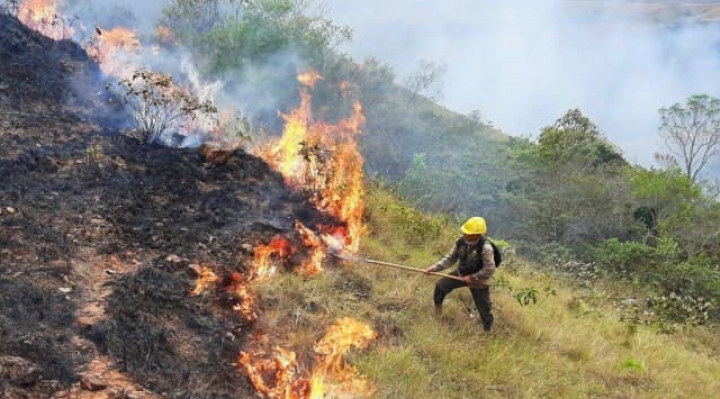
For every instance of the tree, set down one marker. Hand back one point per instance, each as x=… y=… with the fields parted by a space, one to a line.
x=658 y=194
x=267 y=29
x=571 y=187
x=427 y=80
x=692 y=133
x=574 y=139
x=189 y=20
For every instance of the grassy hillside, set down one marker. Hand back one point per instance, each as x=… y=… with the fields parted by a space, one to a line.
x=573 y=343
x=106 y=237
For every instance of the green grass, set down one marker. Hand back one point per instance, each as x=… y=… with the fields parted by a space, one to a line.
x=571 y=344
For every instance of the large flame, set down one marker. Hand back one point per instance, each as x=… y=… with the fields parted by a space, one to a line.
x=44 y=16
x=324 y=159
x=111 y=47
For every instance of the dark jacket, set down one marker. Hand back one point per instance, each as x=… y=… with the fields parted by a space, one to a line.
x=479 y=263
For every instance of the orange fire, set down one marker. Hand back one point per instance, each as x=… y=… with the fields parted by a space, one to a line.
x=266 y=257
x=324 y=159
x=206 y=277
x=334 y=376
x=309 y=78
x=316 y=247
x=234 y=283
x=109 y=46
x=43 y=16
x=240 y=288
x=275 y=373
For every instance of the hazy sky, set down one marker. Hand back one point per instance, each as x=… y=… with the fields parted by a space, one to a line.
x=524 y=63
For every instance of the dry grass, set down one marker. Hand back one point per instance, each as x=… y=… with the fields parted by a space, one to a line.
x=572 y=344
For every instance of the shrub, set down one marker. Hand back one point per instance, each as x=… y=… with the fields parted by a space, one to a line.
x=684 y=309
x=622 y=258
x=158 y=104
x=689 y=291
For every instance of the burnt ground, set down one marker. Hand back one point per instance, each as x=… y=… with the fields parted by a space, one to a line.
x=98 y=233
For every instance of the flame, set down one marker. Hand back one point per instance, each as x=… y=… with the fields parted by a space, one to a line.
x=238 y=286
x=331 y=374
x=206 y=277
x=324 y=159
x=309 y=78
x=316 y=247
x=110 y=45
x=345 y=334
x=234 y=283
x=275 y=372
x=278 y=248
x=317 y=387
x=43 y=16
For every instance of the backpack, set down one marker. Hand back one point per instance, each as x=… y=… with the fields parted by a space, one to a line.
x=497 y=254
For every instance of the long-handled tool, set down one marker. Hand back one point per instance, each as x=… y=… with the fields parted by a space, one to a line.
x=395 y=265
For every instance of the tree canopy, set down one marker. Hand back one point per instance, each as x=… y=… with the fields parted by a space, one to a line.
x=692 y=132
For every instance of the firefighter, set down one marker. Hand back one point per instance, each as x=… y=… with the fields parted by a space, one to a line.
x=476 y=264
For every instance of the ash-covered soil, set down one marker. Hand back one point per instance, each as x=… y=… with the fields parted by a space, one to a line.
x=100 y=234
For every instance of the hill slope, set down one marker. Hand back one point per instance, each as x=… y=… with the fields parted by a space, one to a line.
x=97 y=233
x=103 y=240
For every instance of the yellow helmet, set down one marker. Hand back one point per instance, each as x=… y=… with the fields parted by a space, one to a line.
x=474 y=225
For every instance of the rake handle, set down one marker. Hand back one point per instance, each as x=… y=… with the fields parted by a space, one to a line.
x=397 y=266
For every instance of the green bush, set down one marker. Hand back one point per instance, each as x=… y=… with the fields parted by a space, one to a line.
x=689 y=291
x=622 y=258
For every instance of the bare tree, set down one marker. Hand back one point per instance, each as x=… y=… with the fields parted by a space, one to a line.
x=692 y=132
x=427 y=81
x=159 y=104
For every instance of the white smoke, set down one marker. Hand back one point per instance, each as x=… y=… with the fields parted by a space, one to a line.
x=521 y=63
x=524 y=63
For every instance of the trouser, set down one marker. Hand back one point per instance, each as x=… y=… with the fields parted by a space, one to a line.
x=481 y=296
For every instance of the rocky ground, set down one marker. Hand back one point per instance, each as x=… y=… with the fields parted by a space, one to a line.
x=101 y=237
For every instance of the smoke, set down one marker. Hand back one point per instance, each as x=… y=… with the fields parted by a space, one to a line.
x=141 y=16
x=524 y=63
x=259 y=90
